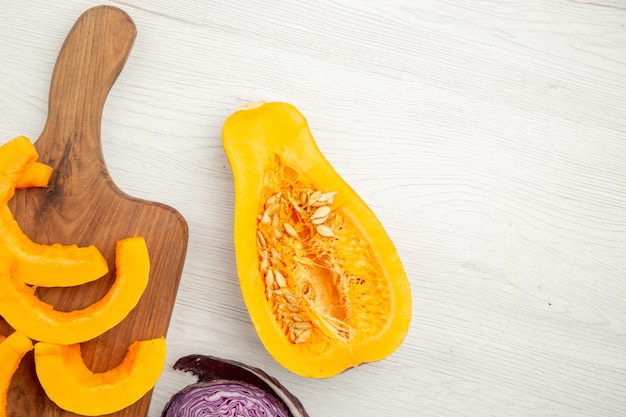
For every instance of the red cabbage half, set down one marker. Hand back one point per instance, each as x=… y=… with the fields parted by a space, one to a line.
x=228 y=388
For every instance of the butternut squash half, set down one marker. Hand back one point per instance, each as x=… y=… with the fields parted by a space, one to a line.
x=68 y=382
x=22 y=309
x=322 y=280
x=12 y=350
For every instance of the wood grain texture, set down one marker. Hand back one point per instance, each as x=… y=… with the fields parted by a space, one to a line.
x=82 y=206
x=487 y=136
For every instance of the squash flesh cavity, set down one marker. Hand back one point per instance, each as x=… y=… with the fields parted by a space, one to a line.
x=23 y=310
x=12 y=350
x=68 y=382
x=331 y=276
x=337 y=294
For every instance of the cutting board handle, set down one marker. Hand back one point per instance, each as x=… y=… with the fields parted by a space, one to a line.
x=92 y=56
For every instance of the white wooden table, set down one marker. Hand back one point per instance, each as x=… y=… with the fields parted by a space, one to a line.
x=489 y=137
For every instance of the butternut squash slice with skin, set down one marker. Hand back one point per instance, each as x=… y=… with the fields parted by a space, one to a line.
x=22 y=309
x=53 y=265
x=322 y=280
x=12 y=350
x=36 y=264
x=73 y=387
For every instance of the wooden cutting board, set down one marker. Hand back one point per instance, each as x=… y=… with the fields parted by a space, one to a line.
x=83 y=206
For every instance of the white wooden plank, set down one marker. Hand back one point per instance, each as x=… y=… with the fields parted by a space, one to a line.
x=488 y=136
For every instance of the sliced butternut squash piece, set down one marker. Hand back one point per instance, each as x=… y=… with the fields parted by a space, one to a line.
x=15 y=156
x=36 y=264
x=68 y=382
x=53 y=265
x=12 y=350
x=35 y=175
x=23 y=310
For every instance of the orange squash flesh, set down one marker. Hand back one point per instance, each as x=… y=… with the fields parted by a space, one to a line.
x=12 y=350
x=35 y=175
x=36 y=264
x=321 y=279
x=47 y=265
x=15 y=156
x=73 y=387
x=21 y=308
